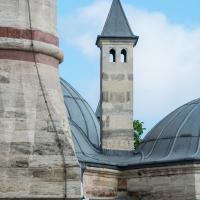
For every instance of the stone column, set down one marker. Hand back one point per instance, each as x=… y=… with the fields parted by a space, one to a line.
x=33 y=120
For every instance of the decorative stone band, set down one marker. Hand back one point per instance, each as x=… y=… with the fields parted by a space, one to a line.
x=16 y=49
x=11 y=32
x=16 y=44
x=28 y=56
x=26 y=45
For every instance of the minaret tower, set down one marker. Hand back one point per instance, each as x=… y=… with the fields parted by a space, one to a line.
x=116 y=43
x=37 y=158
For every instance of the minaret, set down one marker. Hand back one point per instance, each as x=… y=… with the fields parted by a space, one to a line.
x=116 y=43
x=37 y=158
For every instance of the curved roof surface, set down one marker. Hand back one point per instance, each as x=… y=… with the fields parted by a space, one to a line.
x=85 y=130
x=81 y=117
x=174 y=139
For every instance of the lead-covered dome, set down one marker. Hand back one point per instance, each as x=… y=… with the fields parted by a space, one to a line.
x=176 y=137
x=83 y=121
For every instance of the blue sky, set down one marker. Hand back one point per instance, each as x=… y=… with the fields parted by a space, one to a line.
x=178 y=11
x=167 y=51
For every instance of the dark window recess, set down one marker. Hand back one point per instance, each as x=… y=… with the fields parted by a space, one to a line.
x=123 y=56
x=112 y=56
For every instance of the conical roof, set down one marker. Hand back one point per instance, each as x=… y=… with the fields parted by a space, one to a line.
x=117 y=25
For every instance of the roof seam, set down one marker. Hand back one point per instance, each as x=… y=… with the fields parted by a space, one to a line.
x=162 y=131
x=86 y=138
x=80 y=111
x=183 y=123
x=167 y=138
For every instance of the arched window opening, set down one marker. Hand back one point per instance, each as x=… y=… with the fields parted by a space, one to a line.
x=112 y=55
x=123 y=56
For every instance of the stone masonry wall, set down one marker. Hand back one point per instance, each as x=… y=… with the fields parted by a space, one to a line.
x=100 y=183
x=156 y=183
x=117 y=96
x=166 y=183
x=31 y=164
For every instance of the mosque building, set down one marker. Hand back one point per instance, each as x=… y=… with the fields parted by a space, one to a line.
x=53 y=145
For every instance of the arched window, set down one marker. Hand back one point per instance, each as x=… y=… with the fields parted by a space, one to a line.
x=123 y=56
x=112 y=56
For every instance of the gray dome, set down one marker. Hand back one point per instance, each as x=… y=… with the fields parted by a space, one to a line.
x=82 y=119
x=176 y=137
x=85 y=130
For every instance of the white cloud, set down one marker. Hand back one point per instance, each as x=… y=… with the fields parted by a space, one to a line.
x=80 y=30
x=167 y=61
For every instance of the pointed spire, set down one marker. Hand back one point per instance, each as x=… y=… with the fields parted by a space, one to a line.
x=117 y=25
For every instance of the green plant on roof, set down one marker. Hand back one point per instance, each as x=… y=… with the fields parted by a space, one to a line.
x=138 y=130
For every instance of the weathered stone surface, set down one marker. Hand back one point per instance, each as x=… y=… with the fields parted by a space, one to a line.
x=21 y=144
x=117 y=94
x=168 y=183
x=35 y=149
x=100 y=183
x=16 y=13
x=117 y=77
x=21 y=148
x=4 y=79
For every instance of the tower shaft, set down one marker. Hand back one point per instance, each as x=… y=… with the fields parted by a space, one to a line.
x=116 y=43
x=117 y=95
x=34 y=163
